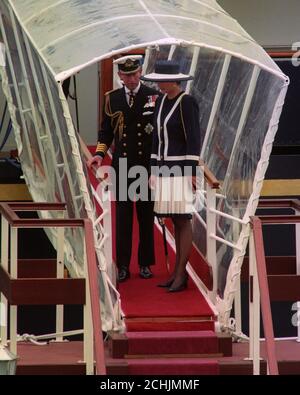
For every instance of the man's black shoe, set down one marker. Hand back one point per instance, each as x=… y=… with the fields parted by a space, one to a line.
x=145 y=272
x=123 y=274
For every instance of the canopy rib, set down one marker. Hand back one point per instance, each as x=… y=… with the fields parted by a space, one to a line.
x=217 y=30
x=152 y=16
x=44 y=10
x=84 y=28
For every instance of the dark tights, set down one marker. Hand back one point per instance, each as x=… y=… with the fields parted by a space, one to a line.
x=183 y=242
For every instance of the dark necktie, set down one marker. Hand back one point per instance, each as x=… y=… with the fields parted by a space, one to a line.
x=131 y=98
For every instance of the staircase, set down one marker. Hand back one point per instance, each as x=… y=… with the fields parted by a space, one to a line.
x=202 y=351
x=272 y=279
x=42 y=283
x=167 y=353
x=165 y=346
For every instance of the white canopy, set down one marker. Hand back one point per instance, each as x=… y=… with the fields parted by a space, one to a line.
x=69 y=34
x=239 y=89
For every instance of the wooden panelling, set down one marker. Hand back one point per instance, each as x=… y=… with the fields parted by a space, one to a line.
x=284 y=287
x=42 y=291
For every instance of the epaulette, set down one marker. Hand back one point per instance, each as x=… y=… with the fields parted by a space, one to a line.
x=108 y=92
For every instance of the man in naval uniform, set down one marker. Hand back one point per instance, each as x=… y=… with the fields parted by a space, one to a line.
x=127 y=119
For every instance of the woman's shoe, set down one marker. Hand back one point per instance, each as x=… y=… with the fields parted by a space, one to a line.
x=167 y=284
x=181 y=287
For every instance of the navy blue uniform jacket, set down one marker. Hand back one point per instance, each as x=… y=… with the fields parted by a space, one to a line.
x=131 y=128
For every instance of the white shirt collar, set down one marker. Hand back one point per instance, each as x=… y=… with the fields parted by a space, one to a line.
x=135 y=91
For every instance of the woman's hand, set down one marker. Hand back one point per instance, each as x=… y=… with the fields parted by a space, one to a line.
x=152 y=181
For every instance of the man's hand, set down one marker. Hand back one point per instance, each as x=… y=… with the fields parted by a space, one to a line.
x=95 y=161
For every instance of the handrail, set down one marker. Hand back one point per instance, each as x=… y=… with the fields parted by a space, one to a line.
x=8 y=211
x=32 y=206
x=212 y=185
x=279 y=203
x=87 y=156
x=86 y=153
x=209 y=176
x=279 y=219
x=256 y=224
x=285 y=52
x=231 y=217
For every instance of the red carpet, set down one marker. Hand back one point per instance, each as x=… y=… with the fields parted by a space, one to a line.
x=168 y=325
x=142 y=298
x=148 y=307
x=170 y=366
x=157 y=321
x=174 y=342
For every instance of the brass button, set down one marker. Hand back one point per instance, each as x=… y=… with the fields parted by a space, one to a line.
x=124 y=144
x=139 y=143
x=124 y=153
x=161 y=157
x=125 y=126
x=140 y=152
x=139 y=125
x=124 y=135
x=139 y=134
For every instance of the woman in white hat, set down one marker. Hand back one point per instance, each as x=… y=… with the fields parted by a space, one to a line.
x=174 y=160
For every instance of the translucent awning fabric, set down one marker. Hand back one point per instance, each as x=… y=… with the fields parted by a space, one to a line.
x=69 y=34
x=239 y=89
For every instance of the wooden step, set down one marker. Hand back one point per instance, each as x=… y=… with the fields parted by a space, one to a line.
x=287 y=353
x=178 y=366
x=169 y=323
x=163 y=366
x=226 y=367
x=199 y=343
x=63 y=358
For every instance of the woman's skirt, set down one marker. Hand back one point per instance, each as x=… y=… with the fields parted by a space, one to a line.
x=173 y=196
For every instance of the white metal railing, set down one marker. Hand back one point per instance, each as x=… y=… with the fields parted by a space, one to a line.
x=103 y=197
x=104 y=221
x=92 y=327
x=32 y=108
x=211 y=227
x=228 y=216
x=211 y=245
x=26 y=139
x=212 y=238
